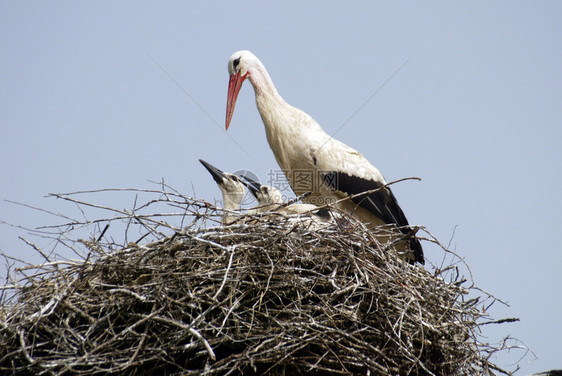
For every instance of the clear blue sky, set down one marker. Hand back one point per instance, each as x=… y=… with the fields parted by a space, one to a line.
x=476 y=113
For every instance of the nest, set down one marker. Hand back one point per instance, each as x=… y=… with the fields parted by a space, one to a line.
x=268 y=295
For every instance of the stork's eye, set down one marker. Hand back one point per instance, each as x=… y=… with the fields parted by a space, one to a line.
x=265 y=190
x=235 y=63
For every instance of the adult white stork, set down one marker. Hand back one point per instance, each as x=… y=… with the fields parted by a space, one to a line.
x=233 y=191
x=313 y=161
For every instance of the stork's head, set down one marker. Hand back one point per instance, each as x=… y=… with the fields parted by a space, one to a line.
x=233 y=190
x=239 y=67
x=265 y=194
x=270 y=195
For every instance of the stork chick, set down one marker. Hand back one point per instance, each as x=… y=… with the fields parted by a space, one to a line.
x=270 y=199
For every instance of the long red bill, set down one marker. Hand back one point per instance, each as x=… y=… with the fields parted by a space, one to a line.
x=234 y=85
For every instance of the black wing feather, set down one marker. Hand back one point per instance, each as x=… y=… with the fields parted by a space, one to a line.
x=381 y=203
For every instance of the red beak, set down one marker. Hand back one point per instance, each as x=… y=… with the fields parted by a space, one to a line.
x=234 y=85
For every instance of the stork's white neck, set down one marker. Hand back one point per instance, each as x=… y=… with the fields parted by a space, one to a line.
x=261 y=81
x=286 y=127
x=231 y=202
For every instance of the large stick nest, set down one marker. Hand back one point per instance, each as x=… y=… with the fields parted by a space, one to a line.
x=266 y=296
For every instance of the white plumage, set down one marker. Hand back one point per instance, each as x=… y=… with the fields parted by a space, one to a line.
x=335 y=171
